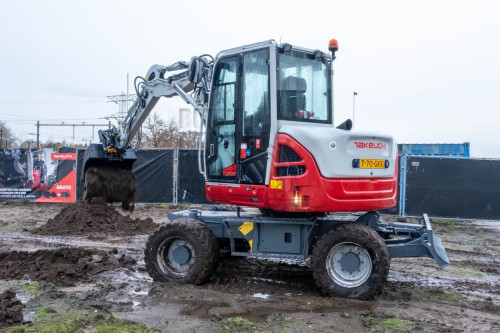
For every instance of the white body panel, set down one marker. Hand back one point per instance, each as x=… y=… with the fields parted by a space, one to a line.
x=334 y=150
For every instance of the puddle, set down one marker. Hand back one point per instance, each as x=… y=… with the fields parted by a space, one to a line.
x=33 y=243
x=271 y=281
x=259 y=295
x=259 y=309
x=493 y=225
x=21 y=294
x=79 y=288
x=468 y=286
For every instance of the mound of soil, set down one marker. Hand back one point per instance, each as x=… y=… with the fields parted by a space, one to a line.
x=64 y=266
x=11 y=309
x=82 y=218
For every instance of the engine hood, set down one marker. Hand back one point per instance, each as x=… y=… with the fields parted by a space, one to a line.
x=334 y=150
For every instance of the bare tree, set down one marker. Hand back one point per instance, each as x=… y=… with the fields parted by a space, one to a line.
x=188 y=139
x=7 y=139
x=157 y=133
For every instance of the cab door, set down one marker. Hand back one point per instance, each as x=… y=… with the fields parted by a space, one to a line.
x=239 y=119
x=221 y=158
x=255 y=120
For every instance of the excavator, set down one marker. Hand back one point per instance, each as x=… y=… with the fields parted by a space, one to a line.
x=269 y=143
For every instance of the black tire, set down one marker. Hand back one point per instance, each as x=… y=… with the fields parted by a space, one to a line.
x=184 y=251
x=350 y=260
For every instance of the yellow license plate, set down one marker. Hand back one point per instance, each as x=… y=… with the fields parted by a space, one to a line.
x=371 y=164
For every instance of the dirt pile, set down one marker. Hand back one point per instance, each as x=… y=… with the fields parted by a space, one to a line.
x=64 y=266
x=11 y=309
x=82 y=218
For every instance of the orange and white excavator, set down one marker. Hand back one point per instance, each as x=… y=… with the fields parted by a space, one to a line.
x=269 y=143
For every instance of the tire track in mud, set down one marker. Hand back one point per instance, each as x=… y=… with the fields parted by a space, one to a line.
x=250 y=275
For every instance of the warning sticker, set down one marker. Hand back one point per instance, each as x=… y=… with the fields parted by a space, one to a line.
x=276 y=184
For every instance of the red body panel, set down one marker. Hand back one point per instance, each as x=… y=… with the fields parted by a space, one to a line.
x=309 y=192
x=237 y=194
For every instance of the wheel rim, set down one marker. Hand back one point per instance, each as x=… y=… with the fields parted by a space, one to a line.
x=348 y=264
x=175 y=257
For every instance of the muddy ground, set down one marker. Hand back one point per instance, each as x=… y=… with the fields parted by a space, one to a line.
x=99 y=267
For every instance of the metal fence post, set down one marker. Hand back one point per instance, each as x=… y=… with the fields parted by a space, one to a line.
x=176 y=175
x=402 y=185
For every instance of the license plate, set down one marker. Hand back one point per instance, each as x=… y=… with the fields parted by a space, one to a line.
x=371 y=164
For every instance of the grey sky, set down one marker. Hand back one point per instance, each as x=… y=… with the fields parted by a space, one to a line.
x=425 y=71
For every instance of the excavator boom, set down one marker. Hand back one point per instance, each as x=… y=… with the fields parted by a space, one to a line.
x=107 y=170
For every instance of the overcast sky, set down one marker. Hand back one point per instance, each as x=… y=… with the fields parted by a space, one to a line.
x=425 y=71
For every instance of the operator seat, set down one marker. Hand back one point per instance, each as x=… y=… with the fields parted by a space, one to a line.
x=291 y=97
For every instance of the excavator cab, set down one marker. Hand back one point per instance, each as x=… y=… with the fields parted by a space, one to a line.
x=248 y=99
x=271 y=142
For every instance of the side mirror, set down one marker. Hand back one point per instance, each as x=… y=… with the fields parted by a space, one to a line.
x=346 y=125
x=196 y=70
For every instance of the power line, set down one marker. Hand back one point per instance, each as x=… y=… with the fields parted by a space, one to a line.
x=38 y=125
x=123 y=103
x=51 y=102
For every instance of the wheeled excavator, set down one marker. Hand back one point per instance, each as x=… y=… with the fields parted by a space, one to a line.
x=269 y=142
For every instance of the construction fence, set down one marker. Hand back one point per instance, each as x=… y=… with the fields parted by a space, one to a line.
x=163 y=176
x=447 y=187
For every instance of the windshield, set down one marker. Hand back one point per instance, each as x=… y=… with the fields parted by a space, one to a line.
x=303 y=83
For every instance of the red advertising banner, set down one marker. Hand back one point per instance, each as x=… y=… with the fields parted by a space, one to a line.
x=62 y=191
x=44 y=175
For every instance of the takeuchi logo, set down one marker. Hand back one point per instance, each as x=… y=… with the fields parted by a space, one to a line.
x=370 y=145
x=63 y=156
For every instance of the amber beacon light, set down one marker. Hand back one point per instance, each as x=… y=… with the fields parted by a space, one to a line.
x=333 y=46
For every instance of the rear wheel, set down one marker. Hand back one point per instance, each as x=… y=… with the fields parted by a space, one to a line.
x=184 y=250
x=350 y=260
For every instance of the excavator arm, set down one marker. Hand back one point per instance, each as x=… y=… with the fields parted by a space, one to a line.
x=107 y=169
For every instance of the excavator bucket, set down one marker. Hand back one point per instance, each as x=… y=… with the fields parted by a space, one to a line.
x=109 y=178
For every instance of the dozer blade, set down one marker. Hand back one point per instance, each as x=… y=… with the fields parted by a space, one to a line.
x=421 y=242
x=435 y=246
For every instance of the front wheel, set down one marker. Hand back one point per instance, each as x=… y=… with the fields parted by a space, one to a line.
x=184 y=250
x=350 y=260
